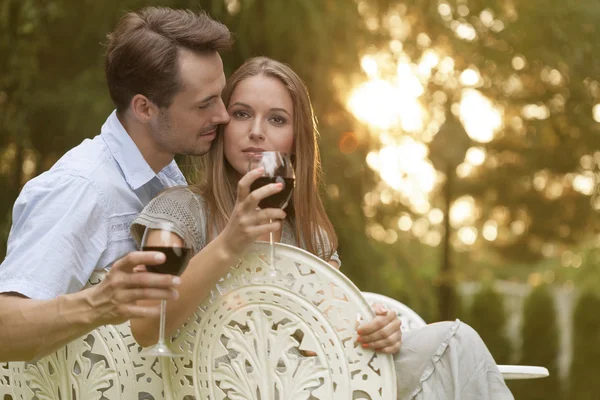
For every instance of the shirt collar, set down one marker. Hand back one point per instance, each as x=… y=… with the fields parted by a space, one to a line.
x=135 y=169
x=173 y=172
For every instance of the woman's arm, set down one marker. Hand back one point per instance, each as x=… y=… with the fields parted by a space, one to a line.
x=204 y=270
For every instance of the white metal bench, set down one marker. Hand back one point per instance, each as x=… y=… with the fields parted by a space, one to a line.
x=411 y=320
x=250 y=341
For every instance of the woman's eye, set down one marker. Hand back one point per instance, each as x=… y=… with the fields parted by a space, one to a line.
x=278 y=120
x=240 y=114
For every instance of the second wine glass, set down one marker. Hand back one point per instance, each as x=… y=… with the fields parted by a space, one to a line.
x=278 y=168
x=177 y=249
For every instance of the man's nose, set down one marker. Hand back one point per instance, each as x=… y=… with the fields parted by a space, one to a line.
x=222 y=116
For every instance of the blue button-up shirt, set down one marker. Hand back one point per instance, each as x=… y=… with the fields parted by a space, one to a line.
x=74 y=218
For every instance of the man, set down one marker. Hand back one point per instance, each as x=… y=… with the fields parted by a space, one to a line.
x=165 y=76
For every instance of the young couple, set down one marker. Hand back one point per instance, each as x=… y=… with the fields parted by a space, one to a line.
x=166 y=79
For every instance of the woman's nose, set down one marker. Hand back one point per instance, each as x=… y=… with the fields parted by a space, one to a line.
x=256 y=132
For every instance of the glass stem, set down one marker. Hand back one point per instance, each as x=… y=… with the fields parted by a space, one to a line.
x=271 y=249
x=163 y=317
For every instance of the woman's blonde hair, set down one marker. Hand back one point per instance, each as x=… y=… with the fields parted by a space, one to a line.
x=313 y=228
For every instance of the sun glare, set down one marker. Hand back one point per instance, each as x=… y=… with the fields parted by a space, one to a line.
x=389 y=103
x=385 y=104
x=375 y=103
x=369 y=65
x=479 y=116
x=406 y=169
x=596 y=112
x=462 y=211
x=469 y=77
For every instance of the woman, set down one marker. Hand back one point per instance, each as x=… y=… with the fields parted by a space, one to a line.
x=270 y=109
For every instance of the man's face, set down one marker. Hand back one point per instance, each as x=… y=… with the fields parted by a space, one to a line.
x=189 y=124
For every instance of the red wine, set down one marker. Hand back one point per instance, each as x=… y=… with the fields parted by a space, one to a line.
x=278 y=200
x=177 y=259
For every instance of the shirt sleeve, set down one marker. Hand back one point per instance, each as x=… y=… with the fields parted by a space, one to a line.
x=58 y=234
x=183 y=209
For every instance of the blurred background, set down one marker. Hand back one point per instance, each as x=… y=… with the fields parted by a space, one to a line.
x=460 y=142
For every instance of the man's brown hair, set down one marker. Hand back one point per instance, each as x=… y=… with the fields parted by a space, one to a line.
x=143 y=51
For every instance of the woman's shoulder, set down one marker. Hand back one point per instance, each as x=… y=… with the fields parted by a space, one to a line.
x=179 y=192
x=179 y=203
x=179 y=196
x=182 y=206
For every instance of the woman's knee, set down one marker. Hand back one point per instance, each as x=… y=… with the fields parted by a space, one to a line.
x=446 y=325
x=468 y=334
x=470 y=340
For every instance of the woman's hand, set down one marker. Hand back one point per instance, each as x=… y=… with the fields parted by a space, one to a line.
x=383 y=333
x=247 y=221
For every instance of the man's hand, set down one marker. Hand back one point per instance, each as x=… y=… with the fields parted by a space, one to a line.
x=383 y=333
x=248 y=222
x=30 y=329
x=113 y=301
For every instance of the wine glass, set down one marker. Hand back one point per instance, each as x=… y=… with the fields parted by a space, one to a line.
x=177 y=249
x=278 y=168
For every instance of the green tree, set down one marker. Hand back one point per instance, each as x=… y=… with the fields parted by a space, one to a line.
x=585 y=364
x=534 y=186
x=488 y=317
x=539 y=74
x=539 y=346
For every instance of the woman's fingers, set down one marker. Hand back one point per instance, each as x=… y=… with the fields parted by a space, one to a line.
x=383 y=334
x=378 y=323
x=261 y=217
x=260 y=230
x=243 y=187
x=391 y=349
x=388 y=341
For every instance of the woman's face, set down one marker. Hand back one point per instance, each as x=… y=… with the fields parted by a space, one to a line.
x=262 y=119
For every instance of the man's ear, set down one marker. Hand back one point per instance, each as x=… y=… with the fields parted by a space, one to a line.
x=143 y=109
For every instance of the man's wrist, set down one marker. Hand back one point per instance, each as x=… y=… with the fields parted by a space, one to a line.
x=79 y=308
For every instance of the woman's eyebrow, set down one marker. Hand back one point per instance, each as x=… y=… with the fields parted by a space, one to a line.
x=239 y=103
x=281 y=109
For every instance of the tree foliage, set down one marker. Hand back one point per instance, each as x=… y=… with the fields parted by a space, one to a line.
x=585 y=364
x=488 y=317
x=540 y=345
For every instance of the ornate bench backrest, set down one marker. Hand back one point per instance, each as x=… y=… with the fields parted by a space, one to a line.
x=253 y=339
x=103 y=364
